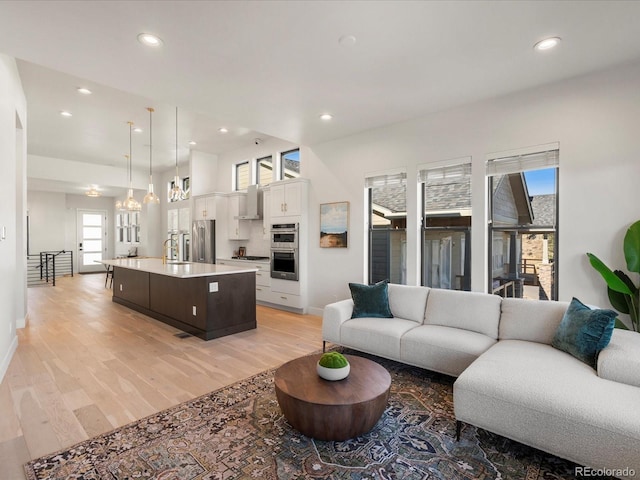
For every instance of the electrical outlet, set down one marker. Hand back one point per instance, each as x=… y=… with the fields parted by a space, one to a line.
x=194 y=310
x=213 y=287
x=120 y=287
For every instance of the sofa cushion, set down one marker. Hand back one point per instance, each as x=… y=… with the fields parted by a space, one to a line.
x=408 y=302
x=546 y=398
x=370 y=300
x=443 y=349
x=536 y=321
x=583 y=331
x=478 y=312
x=380 y=336
x=620 y=360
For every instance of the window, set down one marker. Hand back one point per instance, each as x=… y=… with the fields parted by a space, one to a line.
x=446 y=227
x=290 y=164
x=242 y=175
x=387 y=228
x=523 y=225
x=264 y=170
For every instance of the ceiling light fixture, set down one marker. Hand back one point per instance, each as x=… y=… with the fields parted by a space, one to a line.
x=347 y=40
x=547 y=44
x=130 y=204
x=223 y=130
x=65 y=113
x=193 y=143
x=84 y=91
x=150 y=197
x=92 y=192
x=149 y=39
x=326 y=116
x=137 y=130
x=176 y=193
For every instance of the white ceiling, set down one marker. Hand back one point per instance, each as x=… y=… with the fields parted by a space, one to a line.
x=270 y=68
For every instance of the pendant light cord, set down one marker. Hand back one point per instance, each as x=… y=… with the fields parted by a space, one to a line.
x=150 y=142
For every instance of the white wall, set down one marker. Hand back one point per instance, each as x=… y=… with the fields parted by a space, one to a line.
x=13 y=291
x=594 y=118
x=47 y=221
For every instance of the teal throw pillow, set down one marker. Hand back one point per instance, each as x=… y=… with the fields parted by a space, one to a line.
x=370 y=300
x=583 y=331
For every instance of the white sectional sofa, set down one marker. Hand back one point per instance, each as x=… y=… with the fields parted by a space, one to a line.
x=511 y=381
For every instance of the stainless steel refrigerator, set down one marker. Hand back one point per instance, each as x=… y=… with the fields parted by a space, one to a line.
x=203 y=241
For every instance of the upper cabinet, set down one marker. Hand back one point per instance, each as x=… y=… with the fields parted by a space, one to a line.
x=266 y=213
x=178 y=220
x=237 y=205
x=205 y=207
x=288 y=198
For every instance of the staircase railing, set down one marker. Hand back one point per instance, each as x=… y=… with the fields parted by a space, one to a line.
x=47 y=265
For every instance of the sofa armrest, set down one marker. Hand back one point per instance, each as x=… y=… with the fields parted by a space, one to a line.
x=334 y=315
x=620 y=360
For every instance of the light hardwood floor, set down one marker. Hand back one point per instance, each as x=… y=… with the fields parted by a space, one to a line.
x=85 y=365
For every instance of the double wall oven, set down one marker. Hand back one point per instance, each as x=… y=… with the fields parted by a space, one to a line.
x=284 y=251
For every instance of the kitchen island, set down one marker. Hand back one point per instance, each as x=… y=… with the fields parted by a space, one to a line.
x=205 y=300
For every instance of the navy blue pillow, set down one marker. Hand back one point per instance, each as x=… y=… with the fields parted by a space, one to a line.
x=370 y=300
x=583 y=332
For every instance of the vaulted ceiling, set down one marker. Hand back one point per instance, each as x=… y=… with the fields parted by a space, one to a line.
x=270 y=68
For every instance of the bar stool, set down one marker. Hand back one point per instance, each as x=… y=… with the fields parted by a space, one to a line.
x=109 y=276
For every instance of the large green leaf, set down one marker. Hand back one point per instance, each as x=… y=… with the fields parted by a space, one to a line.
x=620 y=325
x=613 y=281
x=632 y=247
x=618 y=301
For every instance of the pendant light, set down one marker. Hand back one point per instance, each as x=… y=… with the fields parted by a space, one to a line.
x=176 y=193
x=150 y=197
x=131 y=204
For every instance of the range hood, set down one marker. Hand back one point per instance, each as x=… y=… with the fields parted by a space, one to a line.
x=254 y=204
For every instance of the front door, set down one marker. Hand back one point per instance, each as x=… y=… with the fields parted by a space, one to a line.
x=92 y=240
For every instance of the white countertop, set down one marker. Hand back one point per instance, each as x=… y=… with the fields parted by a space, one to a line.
x=242 y=260
x=180 y=270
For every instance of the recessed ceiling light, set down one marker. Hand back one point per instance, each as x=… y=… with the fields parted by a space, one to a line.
x=64 y=113
x=84 y=91
x=547 y=43
x=347 y=40
x=326 y=116
x=223 y=130
x=149 y=40
x=192 y=143
x=137 y=130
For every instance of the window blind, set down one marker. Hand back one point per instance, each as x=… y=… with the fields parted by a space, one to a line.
x=450 y=174
x=385 y=180
x=522 y=163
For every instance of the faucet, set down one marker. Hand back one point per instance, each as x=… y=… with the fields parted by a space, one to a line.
x=173 y=245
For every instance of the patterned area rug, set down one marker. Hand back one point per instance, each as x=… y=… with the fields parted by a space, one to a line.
x=239 y=432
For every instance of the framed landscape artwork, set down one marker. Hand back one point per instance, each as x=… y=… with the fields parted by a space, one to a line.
x=334 y=224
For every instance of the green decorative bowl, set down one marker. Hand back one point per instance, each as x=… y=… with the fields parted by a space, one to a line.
x=333 y=366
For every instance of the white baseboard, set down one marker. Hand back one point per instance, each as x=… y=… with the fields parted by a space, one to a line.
x=315 y=311
x=7 y=358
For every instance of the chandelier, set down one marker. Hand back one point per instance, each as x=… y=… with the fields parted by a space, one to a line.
x=176 y=192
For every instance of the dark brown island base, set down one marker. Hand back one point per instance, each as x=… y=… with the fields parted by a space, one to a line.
x=204 y=300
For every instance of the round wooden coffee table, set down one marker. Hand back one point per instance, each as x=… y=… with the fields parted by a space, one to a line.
x=328 y=410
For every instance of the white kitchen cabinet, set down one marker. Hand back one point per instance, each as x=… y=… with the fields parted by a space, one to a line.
x=236 y=205
x=205 y=208
x=184 y=219
x=172 y=220
x=179 y=219
x=288 y=198
x=266 y=214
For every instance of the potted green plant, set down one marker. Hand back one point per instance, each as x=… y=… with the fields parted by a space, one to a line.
x=333 y=366
x=623 y=294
